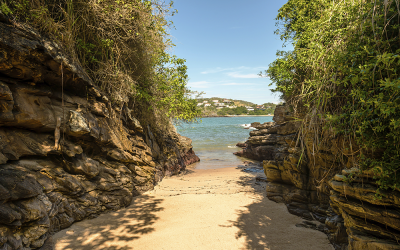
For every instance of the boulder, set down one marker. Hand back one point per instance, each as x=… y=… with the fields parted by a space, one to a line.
x=241 y=145
x=78 y=124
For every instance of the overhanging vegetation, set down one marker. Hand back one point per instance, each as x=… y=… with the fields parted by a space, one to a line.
x=344 y=76
x=123 y=45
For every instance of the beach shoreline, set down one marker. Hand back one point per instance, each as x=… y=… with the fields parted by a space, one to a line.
x=222 y=208
x=234 y=116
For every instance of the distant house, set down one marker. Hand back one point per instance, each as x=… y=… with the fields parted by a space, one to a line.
x=249 y=108
x=260 y=107
x=200 y=104
x=207 y=105
x=231 y=107
x=205 y=101
x=215 y=101
x=220 y=104
x=227 y=101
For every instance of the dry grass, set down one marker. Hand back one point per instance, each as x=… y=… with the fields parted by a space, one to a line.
x=117 y=42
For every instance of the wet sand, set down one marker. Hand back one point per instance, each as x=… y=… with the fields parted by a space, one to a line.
x=201 y=209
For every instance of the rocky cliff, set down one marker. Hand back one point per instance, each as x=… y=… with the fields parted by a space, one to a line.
x=314 y=184
x=66 y=153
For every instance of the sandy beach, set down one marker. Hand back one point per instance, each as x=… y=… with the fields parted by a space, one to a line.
x=200 y=209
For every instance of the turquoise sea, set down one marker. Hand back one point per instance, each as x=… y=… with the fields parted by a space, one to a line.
x=214 y=139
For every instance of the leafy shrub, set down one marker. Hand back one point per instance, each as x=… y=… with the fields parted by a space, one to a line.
x=344 y=75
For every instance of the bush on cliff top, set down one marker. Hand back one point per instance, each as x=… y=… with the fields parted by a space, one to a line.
x=345 y=71
x=122 y=44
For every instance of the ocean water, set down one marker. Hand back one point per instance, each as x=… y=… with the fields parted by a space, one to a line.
x=214 y=139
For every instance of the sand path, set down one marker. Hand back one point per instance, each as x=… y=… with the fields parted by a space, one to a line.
x=202 y=209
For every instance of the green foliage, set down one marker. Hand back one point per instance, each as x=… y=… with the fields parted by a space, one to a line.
x=171 y=93
x=345 y=70
x=242 y=111
x=5 y=9
x=226 y=111
x=123 y=45
x=260 y=112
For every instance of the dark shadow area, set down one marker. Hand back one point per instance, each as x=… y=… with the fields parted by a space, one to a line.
x=187 y=171
x=115 y=230
x=253 y=225
x=268 y=225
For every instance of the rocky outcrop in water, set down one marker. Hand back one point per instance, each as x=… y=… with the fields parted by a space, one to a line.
x=66 y=153
x=312 y=183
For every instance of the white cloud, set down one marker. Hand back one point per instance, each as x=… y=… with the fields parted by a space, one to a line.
x=199 y=84
x=219 y=69
x=216 y=70
x=239 y=75
x=237 y=84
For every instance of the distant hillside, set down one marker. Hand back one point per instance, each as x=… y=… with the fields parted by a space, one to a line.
x=217 y=106
x=221 y=100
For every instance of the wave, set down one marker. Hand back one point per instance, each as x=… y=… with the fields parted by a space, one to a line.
x=245 y=125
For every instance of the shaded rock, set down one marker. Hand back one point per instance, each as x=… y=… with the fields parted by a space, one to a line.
x=9 y=216
x=358 y=240
x=190 y=157
x=19 y=184
x=271 y=130
x=366 y=192
x=123 y=156
x=44 y=188
x=6 y=103
x=265 y=125
x=291 y=178
x=134 y=123
x=77 y=124
x=263 y=140
x=288 y=128
x=282 y=114
x=33 y=235
x=389 y=217
x=100 y=109
x=84 y=165
x=48 y=244
x=241 y=145
x=30 y=209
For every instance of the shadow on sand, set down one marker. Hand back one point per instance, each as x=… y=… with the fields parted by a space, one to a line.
x=115 y=230
x=265 y=224
x=253 y=220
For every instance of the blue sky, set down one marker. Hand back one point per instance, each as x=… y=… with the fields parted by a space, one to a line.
x=226 y=43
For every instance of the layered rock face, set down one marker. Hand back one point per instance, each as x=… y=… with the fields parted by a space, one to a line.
x=65 y=152
x=312 y=183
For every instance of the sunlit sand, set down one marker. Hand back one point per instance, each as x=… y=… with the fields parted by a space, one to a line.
x=202 y=209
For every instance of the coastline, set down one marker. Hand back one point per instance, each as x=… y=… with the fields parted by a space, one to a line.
x=246 y=115
x=232 y=116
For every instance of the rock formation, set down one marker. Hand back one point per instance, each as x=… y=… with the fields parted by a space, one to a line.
x=66 y=153
x=313 y=183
